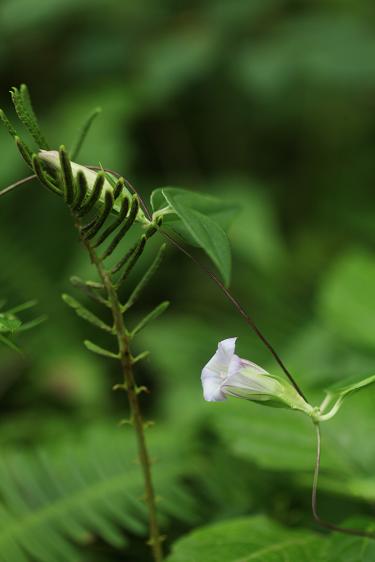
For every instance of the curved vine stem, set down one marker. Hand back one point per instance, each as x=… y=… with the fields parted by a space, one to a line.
x=314 y=503
x=17 y=184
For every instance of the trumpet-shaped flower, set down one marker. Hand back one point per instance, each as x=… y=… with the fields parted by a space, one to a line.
x=226 y=374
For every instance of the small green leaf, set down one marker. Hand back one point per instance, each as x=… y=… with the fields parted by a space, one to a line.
x=85 y=313
x=100 y=350
x=22 y=307
x=204 y=231
x=219 y=210
x=155 y=313
x=84 y=131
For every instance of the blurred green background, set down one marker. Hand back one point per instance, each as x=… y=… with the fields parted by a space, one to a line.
x=270 y=103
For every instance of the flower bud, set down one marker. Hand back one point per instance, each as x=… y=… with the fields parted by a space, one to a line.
x=226 y=374
x=52 y=159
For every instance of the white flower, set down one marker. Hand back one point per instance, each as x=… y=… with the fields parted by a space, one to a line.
x=226 y=374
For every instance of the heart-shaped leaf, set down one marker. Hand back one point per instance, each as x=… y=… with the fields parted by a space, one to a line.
x=201 y=223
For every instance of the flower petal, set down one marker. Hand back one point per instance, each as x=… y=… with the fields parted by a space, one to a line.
x=216 y=370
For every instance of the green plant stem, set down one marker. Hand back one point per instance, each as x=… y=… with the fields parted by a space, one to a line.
x=314 y=503
x=155 y=539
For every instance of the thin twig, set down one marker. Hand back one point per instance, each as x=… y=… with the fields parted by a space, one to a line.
x=314 y=506
x=17 y=184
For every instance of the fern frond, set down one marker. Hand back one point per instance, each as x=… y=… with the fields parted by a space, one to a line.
x=134 y=258
x=146 y=278
x=53 y=500
x=155 y=313
x=134 y=207
x=86 y=314
x=94 y=195
x=22 y=104
x=116 y=223
x=84 y=132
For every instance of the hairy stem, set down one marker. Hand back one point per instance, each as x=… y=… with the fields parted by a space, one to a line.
x=314 y=505
x=155 y=539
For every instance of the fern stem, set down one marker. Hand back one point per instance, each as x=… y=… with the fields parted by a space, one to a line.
x=123 y=339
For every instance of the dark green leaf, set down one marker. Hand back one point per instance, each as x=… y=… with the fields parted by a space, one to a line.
x=204 y=230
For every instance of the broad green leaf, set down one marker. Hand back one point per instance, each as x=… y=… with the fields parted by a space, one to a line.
x=345 y=548
x=246 y=540
x=203 y=230
x=218 y=209
x=349 y=386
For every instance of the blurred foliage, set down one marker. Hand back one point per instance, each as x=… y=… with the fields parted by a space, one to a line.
x=271 y=104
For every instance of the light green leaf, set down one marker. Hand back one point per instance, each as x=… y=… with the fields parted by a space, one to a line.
x=202 y=230
x=155 y=313
x=246 y=540
x=85 y=313
x=100 y=350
